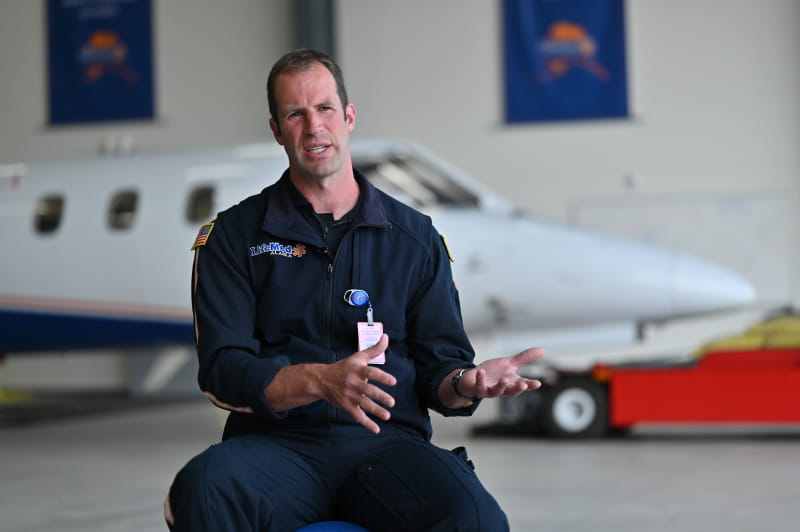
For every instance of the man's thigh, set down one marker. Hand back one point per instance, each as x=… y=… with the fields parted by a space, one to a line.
x=410 y=484
x=250 y=483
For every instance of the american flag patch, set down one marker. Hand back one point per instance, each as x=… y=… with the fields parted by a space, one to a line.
x=202 y=235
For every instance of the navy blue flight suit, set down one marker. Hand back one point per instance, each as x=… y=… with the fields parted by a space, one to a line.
x=268 y=291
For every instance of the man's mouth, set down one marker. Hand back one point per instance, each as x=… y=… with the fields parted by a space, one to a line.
x=317 y=149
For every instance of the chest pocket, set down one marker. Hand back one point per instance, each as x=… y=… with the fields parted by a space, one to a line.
x=289 y=287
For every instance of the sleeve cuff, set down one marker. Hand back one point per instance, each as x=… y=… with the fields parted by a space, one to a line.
x=257 y=380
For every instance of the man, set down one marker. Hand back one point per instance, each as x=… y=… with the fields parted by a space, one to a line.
x=285 y=287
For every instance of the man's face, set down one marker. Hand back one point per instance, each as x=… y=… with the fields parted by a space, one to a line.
x=312 y=124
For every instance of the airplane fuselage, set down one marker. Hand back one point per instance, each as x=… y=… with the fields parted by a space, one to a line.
x=96 y=251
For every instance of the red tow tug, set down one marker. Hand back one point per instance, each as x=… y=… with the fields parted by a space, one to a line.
x=749 y=379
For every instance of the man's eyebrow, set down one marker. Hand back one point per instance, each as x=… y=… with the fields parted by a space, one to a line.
x=293 y=108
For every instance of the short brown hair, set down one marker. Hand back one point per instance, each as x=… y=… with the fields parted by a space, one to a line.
x=298 y=61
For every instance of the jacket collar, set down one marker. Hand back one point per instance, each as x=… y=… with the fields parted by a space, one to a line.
x=283 y=216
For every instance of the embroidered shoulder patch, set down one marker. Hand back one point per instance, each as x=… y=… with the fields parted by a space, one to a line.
x=447 y=249
x=202 y=235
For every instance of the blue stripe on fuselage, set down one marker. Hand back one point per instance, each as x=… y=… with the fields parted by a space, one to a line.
x=33 y=331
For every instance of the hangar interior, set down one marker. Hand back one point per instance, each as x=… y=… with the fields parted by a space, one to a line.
x=707 y=163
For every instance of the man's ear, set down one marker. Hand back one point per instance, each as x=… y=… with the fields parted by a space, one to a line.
x=350 y=116
x=276 y=131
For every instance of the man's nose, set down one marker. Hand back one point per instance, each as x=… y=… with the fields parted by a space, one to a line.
x=313 y=123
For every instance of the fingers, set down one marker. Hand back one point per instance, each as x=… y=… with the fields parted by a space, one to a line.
x=369 y=404
x=484 y=388
x=371 y=352
x=358 y=395
x=372 y=373
x=358 y=389
x=521 y=386
x=378 y=375
x=505 y=386
x=529 y=355
x=532 y=384
x=377 y=396
x=364 y=420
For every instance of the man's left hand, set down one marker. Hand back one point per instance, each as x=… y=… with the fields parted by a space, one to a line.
x=493 y=378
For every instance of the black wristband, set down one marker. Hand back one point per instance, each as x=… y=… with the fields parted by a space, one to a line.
x=456 y=378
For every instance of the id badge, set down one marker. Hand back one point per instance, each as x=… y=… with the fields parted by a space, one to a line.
x=370 y=334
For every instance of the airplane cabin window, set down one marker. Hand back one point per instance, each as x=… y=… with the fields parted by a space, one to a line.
x=49 y=211
x=122 y=211
x=414 y=182
x=200 y=205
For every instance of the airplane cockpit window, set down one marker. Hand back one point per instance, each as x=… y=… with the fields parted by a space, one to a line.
x=49 y=211
x=200 y=205
x=122 y=211
x=414 y=182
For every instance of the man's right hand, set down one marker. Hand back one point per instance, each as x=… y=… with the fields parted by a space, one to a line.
x=345 y=384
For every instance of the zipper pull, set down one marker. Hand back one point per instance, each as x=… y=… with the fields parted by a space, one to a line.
x=330 y=270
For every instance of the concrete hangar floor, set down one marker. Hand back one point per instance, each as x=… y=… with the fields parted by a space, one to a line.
x=109 y=472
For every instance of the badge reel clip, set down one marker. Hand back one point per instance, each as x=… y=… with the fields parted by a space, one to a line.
x=370 y=331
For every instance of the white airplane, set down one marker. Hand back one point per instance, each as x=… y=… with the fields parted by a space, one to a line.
x=95 y=252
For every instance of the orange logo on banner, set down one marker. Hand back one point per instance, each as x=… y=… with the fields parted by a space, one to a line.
x=566 y=46
x=104 y=52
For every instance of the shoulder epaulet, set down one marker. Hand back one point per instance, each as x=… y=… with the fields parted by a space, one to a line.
x=447 y=249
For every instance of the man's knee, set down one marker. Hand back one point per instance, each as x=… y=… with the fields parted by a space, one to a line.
x=186 y=498
x=439 y=493
x=246 y=483
x=208 y=494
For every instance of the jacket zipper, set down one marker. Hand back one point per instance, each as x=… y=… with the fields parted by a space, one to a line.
x=328 y=319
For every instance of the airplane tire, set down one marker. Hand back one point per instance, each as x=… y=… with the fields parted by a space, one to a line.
x=576 y=408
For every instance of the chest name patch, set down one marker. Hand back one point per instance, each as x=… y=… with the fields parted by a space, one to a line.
x=276 y=248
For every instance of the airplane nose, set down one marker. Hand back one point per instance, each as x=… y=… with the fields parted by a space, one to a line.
x=700 y=286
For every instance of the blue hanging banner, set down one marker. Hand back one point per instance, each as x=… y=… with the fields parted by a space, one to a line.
x=564 y=60
x=100 y=62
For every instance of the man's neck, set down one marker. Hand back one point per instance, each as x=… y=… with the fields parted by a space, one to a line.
x=336 y=195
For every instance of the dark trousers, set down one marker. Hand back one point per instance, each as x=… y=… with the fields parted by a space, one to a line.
x=394 y=481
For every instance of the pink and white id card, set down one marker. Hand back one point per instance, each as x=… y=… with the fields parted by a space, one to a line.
x=370 y=334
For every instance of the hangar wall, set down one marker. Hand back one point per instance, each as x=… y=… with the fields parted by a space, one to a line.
x=713 y=83
x=210 y=75
x=713 y=87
